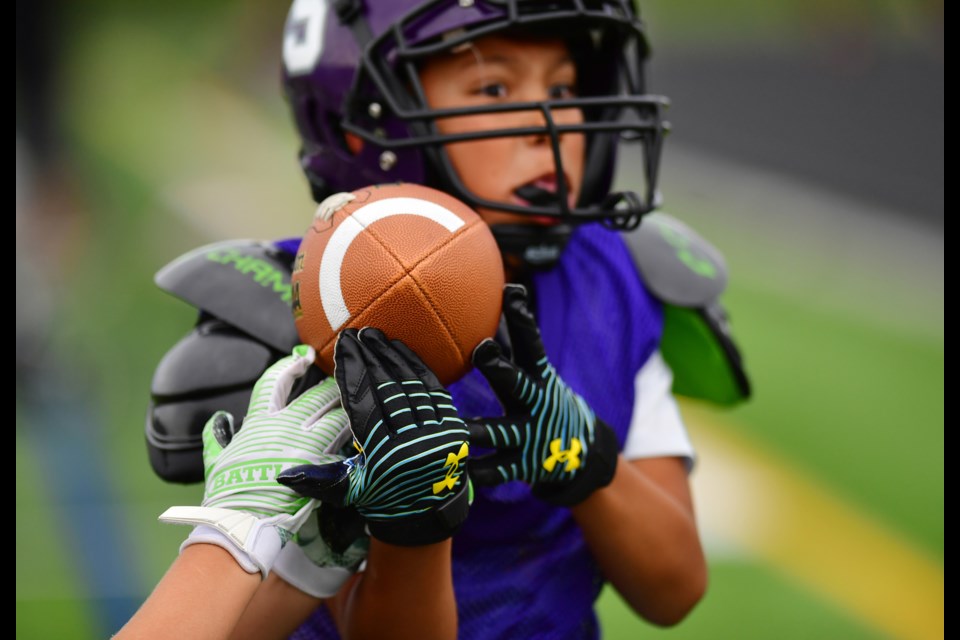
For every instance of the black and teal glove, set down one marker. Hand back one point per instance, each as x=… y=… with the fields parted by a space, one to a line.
x=549 y=437
x=407 y=478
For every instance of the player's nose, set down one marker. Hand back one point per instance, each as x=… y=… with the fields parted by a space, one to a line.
x=539 y=121
x=545 y=120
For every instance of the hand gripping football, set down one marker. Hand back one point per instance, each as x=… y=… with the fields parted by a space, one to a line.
x=412 y=261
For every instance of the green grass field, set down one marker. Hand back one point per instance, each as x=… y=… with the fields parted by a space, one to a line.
x=174 y=146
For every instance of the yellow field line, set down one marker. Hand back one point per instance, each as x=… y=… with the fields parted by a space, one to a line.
x=762 y=503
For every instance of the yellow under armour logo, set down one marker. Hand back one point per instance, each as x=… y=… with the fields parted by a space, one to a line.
x=570 y=456
x=452 y=465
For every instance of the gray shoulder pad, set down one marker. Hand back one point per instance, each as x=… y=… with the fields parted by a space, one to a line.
x=245 y=283
x=678 y=266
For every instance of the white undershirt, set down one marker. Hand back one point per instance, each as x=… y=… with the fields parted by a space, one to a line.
x=656 y=427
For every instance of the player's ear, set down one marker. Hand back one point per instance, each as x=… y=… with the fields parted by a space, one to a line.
x=354 y=143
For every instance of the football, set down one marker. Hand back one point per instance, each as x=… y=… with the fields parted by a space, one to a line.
x=412 y=261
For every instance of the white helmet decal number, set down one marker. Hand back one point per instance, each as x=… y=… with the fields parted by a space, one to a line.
x=303 y=35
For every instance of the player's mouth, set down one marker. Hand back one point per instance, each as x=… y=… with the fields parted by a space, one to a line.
x=542 y=192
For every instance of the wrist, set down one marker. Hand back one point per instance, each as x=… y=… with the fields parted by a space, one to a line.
x=253 y=543
x=295 y=568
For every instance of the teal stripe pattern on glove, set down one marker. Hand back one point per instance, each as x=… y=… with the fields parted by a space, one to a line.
x=407 y=477
x=548 y=437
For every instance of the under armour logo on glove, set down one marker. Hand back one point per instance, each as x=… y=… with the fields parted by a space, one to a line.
x=452 y=466
x=569 y=456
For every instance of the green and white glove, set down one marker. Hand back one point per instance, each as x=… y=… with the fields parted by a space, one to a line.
x=408 y=478
x=328 y=549
x=244 y=509
x=549 y=437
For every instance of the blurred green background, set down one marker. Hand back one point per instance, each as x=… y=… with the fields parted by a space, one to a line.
x=807 y=145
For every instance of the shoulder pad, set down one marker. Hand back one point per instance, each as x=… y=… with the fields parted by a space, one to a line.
x=678 y=266
x=688 y=274
x=213 y=367
x=243 y=282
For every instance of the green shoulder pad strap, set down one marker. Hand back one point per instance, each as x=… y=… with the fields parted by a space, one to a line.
x=688 y=274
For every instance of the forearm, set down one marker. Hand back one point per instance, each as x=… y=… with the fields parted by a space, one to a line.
x=202 y=595
x=275 y=611
x=642 y=531
x=405 y=592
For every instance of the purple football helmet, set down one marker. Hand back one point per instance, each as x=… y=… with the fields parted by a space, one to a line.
x=351 y=66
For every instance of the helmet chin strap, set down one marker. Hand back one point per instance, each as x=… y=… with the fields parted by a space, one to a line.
x=530 y=246
x=534 y=247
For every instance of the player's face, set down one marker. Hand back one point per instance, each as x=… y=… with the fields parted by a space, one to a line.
x=496 y=70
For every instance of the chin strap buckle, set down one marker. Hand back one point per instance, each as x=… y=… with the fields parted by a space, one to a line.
x=626 y=210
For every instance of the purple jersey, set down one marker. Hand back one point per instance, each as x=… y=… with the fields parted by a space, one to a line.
x=521 y=568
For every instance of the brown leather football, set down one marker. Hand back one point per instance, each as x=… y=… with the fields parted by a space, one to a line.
x=414 y=262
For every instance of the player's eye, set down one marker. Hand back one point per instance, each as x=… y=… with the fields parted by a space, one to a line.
x=493 y=90
x=562 y=91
